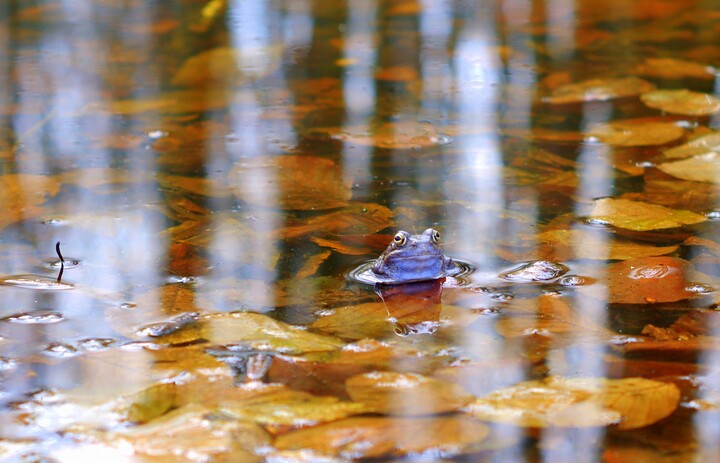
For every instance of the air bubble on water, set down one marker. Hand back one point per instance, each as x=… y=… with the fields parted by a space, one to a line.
x=157 y=134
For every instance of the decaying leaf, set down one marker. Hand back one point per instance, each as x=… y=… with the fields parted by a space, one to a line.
x=673 y=68
x=369 y=320
x=579 y=402
x=406 y=393
x=356 y=219
x=584 y=244
x=393 y=135
x=634 y=133
x=287 y=407
x=291 y=182
x=640 y=216
x=700 y=168
x=312 y=264
x=599 y=90
x=649 y=280
x=699 y=145
x=377 y=436
x=22 y=194
x=228 y=66
x=682 y=101
x=255 y=330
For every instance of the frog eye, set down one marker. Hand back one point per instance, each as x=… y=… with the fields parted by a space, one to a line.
x=400 y=239
x=435 y=236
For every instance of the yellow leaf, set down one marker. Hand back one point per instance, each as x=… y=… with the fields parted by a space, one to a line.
x=700 y=145
x=580 y=402
x=682 y=101
x=700 y=168
x=639 y=216
x=406 y=393
x=376 y=436
x=599 y=90
x=634 y=133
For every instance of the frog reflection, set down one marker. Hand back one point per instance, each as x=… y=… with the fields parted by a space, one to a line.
x=414 y=308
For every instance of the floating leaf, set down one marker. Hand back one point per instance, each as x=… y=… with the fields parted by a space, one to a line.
x=700 y=145
x=579 y=402
x=649 y=280
x=255 y=330
x=672 y=68
x=599 y=90
x=575 y=243
x=406 y=393
x=640 y=216
x=286 y=407
x=634 y=133
x=376 y=436
x=21 y=194
x=295 y=182
x=312 y=264
x=152 y=403
x=700 y=168
x=393 y=135
x=682 y=101
x=358 y=218
x=227 y=66
x=369 y=320
x=195 y=185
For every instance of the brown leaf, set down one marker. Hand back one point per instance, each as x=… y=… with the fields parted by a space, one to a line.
x=649 y=280
x=394 y=393
x=682 y=101
x=195 y=185
x=599 y=90
x=634 y=133
x=578 y=402
x=584 y=244
x=291 y=182
x=21 y=194
x=699 y=145
x=672 y=68
x=392 y=135
x=700 y=168
x=227 y=66
x=375 y=436
x=312 y=264
x=358 y=218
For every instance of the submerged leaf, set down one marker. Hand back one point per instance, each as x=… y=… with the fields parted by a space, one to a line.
x=649 y=280
x=701 y=168
x=575 y=243
x=375 y=436
x=356 y=219
x=634 y=133
x=599 y=90
x=291 y=182
x=393 y=135
x=228 y=66
x=640 y=216
x=406 y=393
x=672 y=68
x=255 y=330
x=682 y=101
x=579 y=402
x=700 y=145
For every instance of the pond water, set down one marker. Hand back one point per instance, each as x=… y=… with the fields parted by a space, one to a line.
x=215 y=170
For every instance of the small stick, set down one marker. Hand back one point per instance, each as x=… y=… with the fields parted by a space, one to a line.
x=62 y=261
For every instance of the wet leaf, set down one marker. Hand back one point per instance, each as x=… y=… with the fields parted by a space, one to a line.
x=207 y=187
x=582 y=244
x=188 y=434
x=152 y=403
x=393 y=135
x=634 y=133
x=579 y=402
x=649 y=280
x=357 y=219
x=286 y=407
x=312 y=264
x=599 y=90
x=369 y=320
x=375 y=436
x=22 y=194
x=699 y=145
x=640 y=216
x=672 y=68
x=394 y=393
x=254 y=330
x=682 y=101
x=227 y=66
x=700 y=168
x=291 y=182
x=346 y=246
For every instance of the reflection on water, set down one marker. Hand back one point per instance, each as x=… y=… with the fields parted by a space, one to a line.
x=217 y=167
